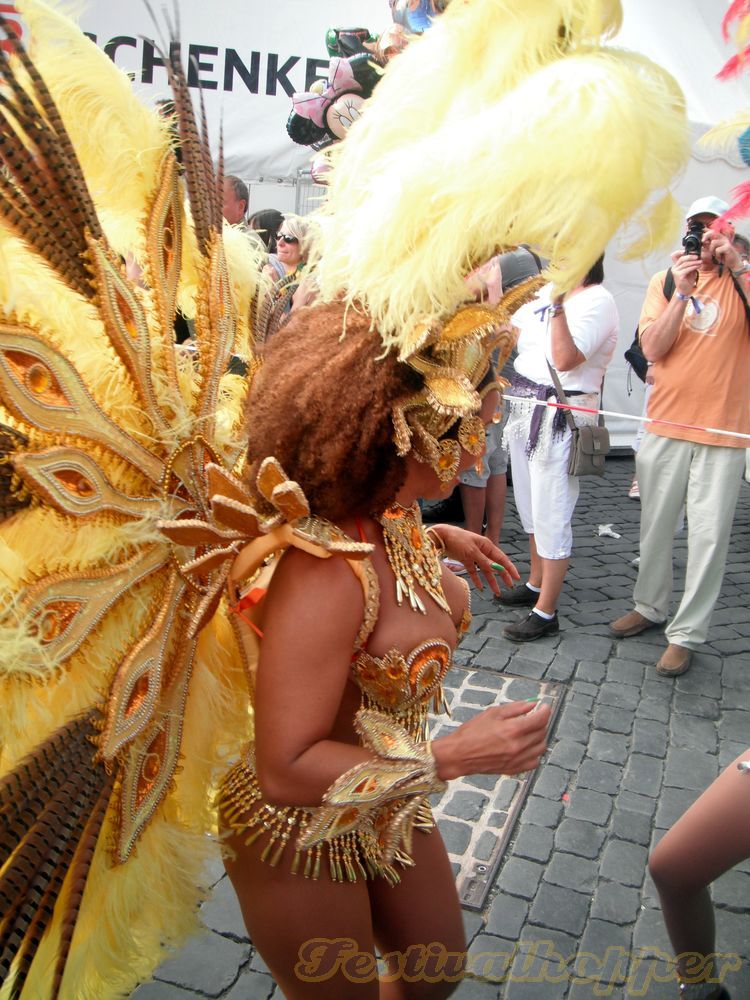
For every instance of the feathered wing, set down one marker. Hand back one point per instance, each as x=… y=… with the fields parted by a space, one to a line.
x=105 y=431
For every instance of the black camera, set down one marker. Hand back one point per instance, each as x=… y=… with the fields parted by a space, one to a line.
x=692 y=241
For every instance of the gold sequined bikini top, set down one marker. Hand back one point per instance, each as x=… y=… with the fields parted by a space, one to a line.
x=405 y=686
x=401 y=684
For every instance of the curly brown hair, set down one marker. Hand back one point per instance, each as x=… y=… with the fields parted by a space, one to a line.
x=321 y=405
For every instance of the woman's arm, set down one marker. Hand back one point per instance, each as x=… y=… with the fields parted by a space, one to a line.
x=270 y=273
x=565 y=353
x=313 y=612
x=306 y=292
x=581 y=327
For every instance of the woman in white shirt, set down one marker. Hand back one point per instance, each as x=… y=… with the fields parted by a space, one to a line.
x=577 y=334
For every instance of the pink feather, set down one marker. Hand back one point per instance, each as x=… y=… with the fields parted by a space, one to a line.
x=740 y=207
x=737 y=10
x=735 y=65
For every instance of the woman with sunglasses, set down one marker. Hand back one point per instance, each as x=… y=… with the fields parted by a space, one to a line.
x=292 y=246
x=284 y=270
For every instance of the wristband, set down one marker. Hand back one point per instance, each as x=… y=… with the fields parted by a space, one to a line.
x=556 y=310
x=401 y=768
x=681 y=297
x=737 y=271
x=436 y=540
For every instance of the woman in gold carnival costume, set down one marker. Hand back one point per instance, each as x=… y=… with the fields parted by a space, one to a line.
x=342 y=698
x=136 y=547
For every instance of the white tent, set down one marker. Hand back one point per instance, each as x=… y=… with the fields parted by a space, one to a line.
x=249 y=54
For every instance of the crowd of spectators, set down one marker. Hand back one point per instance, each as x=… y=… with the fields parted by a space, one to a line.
x=577 y=336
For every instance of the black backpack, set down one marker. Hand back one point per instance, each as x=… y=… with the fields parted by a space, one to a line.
x=634 y=355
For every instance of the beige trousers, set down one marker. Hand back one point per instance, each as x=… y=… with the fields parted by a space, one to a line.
x=707 y=479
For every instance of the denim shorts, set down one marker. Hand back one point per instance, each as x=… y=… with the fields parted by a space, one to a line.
x=495 y=460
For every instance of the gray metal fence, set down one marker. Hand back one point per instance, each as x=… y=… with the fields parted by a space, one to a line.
x=308 y=194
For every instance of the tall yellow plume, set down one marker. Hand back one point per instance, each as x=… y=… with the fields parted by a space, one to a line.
x=501 y=125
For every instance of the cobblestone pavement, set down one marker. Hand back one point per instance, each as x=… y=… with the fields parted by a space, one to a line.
x=630 y=751
x=477 y=814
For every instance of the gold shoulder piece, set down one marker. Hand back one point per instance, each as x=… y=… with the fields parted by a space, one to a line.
x=248 y=527
x=520 y=294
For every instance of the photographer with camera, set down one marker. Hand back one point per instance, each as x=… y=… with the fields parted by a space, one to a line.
x=695 y=329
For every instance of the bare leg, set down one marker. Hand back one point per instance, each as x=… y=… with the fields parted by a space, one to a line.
x=418 y=922
x=497 y=489
x=317 y=937
x=535 y=572
x=711 y=837
x=553 y=577
x=288 y=917
x=473 y=499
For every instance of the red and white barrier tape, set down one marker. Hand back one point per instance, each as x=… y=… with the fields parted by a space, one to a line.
x=625 y=416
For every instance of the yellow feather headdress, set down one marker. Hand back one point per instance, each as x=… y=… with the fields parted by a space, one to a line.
x=503 y=124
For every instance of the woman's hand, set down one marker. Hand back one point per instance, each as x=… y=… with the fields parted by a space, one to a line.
x=306 y=293
x=504 y=739
x=478 y=555
x=486 y=282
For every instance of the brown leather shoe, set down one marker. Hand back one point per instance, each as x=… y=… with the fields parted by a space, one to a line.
x=674 y=661
x=633 y=623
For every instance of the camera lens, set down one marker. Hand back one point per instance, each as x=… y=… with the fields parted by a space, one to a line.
x=693 y=239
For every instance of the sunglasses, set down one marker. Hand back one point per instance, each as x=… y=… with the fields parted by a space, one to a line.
x=283 y=238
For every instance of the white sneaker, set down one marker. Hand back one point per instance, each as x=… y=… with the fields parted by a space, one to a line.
x=634 y=493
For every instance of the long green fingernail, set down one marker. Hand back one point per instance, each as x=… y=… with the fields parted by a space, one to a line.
x=532 y=699
x=498 y=567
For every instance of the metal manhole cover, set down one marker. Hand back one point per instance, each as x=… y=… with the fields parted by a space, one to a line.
x=477 y=814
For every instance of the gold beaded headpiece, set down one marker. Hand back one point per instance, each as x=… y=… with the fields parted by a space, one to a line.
x=454 y=359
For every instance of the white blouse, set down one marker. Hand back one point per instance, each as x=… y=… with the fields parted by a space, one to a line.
x=593 y=322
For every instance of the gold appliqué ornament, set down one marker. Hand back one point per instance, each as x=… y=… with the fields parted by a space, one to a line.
x=412 y=556
x=472 y=435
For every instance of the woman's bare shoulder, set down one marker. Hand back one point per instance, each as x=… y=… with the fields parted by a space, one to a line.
x=322 y=593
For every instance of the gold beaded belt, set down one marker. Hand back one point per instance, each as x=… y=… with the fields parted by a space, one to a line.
x=351 y=856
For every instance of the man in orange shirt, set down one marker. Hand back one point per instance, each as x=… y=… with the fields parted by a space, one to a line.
x=699 y=343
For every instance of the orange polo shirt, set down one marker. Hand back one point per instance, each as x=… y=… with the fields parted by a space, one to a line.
x=704 y=379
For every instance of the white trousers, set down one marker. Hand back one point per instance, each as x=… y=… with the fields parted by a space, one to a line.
x=545 y=494
x=707 y=479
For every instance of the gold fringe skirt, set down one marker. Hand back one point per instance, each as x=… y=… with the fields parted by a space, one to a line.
x=350 y=857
